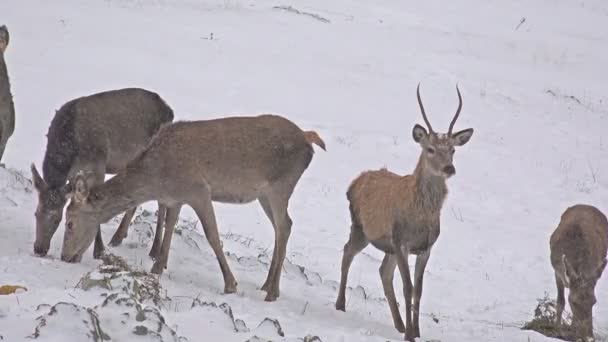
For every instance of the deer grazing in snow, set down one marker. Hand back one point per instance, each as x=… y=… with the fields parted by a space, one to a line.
x=230 y=160
x=578 y=255
x=99 y=133
x=400 y=216
x=7 y=108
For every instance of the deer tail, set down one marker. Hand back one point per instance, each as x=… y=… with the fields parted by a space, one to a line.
x=313 y=138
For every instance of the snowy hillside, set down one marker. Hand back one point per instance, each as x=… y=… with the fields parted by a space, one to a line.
x=533 y=77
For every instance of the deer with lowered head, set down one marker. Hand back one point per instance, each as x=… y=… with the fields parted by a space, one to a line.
x=230 y=160
x=7 y=107
x=399 y=215
x=99 y=134
x=578 y=255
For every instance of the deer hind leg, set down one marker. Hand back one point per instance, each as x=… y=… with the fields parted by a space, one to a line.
x=421 y=261
x=268 y=210
x=356 y=243
x=158 y=235
x=172 y=214
x=278 y=202
x=203 y=207
x=561 y=299
x=123 y=228
x=387 y=272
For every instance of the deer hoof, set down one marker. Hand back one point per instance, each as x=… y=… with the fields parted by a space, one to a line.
x=271 y=297
x=158 y=267
x=230 y=288
x=340 y=306
x=400 y=328
x=116 y=241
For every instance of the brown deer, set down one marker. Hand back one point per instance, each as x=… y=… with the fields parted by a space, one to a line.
x=400 y=216
x=578 y=255
x=230 y=160
x=99 y=133
x=7 y=108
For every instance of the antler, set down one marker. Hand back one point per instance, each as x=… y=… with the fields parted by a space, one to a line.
x=457 y=111
x=428 y=124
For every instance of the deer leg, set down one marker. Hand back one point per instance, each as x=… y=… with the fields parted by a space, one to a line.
x=172 y=214
x=204 y=210
x=356 y=242
x=268 y=210
x=387 y=271
x=406 y=278
x=561 y=299
x=123 y=228
x=283 y=223
x=98 y=247
x=99 y=172
x=421 y=261
x=158 y=235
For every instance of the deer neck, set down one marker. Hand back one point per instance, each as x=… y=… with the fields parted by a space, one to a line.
x=117 y=195
x=430 y=190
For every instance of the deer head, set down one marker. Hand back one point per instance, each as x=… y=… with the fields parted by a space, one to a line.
x=49 y=211
x=582 y=296
x=80 y=222
x=438 y=148
x=4 y=38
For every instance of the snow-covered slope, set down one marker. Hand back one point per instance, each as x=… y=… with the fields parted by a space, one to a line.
x=533 y=91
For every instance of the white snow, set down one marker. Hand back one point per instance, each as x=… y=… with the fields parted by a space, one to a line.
x=535 y=95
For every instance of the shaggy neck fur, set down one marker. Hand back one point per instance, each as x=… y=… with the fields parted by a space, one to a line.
x=430 y=189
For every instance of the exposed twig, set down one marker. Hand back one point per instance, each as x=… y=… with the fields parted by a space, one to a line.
x=296 y=11
x=521 y=22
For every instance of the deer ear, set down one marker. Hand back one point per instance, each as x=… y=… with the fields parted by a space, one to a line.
x=419 y=133
x=78 y=189
x=600 y=269
x=570 y=273
x=462 y=137
x=39 y=183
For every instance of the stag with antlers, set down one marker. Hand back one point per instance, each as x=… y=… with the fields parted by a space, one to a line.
x=400 y=216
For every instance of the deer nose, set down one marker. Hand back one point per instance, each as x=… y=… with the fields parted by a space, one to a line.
x=449 y=170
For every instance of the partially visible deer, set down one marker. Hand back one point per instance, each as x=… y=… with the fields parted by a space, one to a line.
x=99 y=133
x=7 y=108
x=578 y=255
x=400 y=216
x=231 y=160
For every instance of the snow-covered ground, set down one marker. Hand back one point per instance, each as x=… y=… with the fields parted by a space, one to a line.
x=535 y=92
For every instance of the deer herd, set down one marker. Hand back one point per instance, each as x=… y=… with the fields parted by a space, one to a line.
x=131 y=133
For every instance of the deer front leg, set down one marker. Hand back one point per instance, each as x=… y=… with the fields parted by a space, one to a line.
x=158 y=235
x=123 y=228
x=203 y=207
x=421 y=261
x=171 y=219
x=98 y=247
x=387 y=271
x=406 y=278
x=561 y=299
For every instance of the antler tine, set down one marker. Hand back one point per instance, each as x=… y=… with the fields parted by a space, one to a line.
x=457 y=111
x=426 y=120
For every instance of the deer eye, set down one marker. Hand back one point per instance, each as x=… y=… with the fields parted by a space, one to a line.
x=430 y=150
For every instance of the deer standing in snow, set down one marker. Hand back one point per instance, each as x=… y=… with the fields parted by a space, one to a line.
x=578 y=255
x=100 y=134
x=400 y=216
x=7 y=108
x=230 y=160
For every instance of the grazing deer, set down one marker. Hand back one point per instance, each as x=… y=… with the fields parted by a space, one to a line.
x=400 y=216
x=7 y=108
x=578 y=255
x=230 y=160
x=99 y=133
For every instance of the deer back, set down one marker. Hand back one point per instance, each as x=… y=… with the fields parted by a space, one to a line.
x=113 y=125
x=237 y=157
